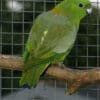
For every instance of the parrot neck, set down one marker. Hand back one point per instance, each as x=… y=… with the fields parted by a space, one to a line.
x=74 y=19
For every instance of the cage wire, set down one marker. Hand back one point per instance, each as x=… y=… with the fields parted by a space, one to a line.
x=16 y=18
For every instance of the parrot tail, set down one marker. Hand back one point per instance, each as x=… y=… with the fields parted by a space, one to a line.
x=31 y=76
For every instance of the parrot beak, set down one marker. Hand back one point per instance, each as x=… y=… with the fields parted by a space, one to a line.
x=89 y=11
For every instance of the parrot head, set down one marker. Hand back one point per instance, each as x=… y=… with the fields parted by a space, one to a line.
x=80 y=7
x=74 y=9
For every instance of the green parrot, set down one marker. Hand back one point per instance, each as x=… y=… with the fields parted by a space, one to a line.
x=51 y=38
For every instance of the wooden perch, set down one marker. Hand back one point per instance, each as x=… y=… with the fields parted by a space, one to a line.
x=74 y=78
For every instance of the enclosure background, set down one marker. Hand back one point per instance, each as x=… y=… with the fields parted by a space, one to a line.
x=16 y=18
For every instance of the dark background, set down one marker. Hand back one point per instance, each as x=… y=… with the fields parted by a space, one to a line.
x=14 y=29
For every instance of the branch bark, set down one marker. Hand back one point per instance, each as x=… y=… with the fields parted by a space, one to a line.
x=75 y=78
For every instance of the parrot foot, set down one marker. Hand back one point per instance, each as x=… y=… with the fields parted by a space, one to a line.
x=60 y=65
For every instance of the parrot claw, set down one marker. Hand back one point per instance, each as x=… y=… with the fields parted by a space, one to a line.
x=61 y=65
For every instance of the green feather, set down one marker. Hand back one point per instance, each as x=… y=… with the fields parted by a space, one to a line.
x=51 y=38
x=31 y=76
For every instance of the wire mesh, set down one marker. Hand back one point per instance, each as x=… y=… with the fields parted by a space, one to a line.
x=16 y=17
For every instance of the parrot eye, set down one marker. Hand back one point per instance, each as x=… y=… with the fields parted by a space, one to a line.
x=81 y=5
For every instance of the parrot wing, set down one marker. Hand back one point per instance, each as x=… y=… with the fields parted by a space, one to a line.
x=51 y=34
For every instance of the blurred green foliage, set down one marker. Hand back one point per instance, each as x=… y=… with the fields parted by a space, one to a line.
x=16 y=26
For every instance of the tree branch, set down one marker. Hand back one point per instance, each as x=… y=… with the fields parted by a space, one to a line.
x=75 y=78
